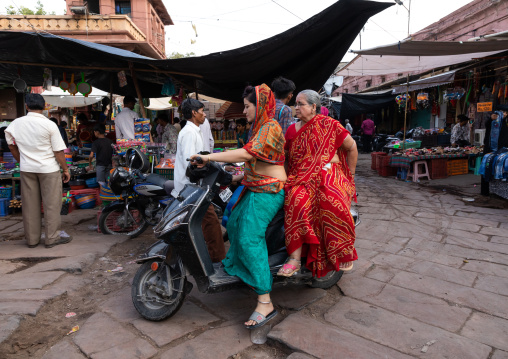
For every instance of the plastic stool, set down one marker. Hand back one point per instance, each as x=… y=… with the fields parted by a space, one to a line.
x=419 y=172
x=402 y=173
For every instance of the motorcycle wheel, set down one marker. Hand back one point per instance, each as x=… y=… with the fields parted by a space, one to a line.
x=111 y=222
x=327 y=281
x=148 y=303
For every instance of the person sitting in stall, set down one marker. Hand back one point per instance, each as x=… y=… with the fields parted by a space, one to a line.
x=62 y=131
x=169 y=134
x=103 y=152
x=242 y=136
x=460 y=132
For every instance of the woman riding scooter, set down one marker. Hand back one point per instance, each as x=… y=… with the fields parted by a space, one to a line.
x=260 y=201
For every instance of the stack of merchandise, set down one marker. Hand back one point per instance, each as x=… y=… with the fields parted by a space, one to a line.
x=142 y=129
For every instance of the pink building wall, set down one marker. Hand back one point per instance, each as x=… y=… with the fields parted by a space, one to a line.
x=476 y=19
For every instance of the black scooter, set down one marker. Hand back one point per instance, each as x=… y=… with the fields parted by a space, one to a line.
x=160 y=284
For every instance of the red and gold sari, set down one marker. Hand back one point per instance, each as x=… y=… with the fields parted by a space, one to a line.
x=318 y=198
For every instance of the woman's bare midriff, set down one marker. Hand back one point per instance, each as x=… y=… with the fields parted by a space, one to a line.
x=335 y=159
x=275 y=171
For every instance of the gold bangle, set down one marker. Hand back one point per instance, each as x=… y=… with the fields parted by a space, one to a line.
x=209 y=158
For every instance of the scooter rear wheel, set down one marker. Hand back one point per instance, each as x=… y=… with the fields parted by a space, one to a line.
x=152 y=305
x=327 y=281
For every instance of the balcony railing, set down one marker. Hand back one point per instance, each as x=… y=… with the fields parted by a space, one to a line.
x=64 y=23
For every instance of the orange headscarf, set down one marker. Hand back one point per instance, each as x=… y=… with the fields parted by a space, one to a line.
x=267 y=140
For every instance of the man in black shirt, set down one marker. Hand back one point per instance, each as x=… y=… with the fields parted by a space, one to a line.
x=103 y=151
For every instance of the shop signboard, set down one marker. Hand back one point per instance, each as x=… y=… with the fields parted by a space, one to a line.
x=484 y=106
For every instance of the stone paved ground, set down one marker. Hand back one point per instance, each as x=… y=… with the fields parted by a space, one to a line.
x=431 y=282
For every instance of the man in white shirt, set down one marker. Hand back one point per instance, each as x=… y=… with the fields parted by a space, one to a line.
x=349 y=128
x=36 y=143
x=190 y=142
x=124 y=121
x=206 y=132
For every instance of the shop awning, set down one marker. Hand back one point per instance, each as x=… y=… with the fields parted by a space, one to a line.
x=322 y=42
x=418 y=56
x=432 y=81
x=159 y=104
x=60 y=98
x=356 y=104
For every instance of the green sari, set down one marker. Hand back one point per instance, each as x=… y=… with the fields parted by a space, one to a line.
x=247 y=257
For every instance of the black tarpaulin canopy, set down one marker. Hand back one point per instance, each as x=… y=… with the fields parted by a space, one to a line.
x=353 y=105
x=307 y=54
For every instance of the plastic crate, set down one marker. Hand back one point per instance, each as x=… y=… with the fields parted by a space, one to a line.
x=168 y=173
x=373 y=155
x=438 y=168
x=6 y=192
x=457 y=167
x=379 y=159
x=412 y=144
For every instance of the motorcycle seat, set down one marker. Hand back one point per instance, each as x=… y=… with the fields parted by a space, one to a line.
x=163 y=182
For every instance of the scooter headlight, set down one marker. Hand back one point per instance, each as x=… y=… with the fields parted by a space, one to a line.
x=172 y=223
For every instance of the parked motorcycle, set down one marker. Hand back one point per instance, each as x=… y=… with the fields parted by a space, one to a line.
x=160 y=284
x=143 y=197
x=381 y=140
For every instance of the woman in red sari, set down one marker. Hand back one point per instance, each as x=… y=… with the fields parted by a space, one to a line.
x=321 y=158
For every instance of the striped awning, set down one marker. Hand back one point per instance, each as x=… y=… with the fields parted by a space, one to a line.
x=230 y=110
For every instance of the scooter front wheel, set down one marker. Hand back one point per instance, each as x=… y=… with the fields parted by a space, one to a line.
x=115 y=220
x=158 y=288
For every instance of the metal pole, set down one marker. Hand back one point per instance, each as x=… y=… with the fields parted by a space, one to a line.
x=405 y=113
x=408 y=17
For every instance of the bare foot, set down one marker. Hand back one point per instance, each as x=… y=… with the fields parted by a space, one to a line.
x=264 y=309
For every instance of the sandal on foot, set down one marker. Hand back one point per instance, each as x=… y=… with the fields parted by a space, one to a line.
x=260 y=319
x=348 y=268
x=292 y=269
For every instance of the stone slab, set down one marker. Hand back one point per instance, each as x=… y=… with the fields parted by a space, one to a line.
x=120 y=306
x=217 y=343
x=8 y=324
x=487 y=329
x=74 y=264
x=465 y=296
x=21 y=280
x=400 y=333
x=228 y=305
x=102 y=337
x=501 y=232
x=21 y=307
x=498 y=285
x=305 y=334
x=35 y=294
x=188 y=319
x=393 y=260
x=296 y=297
x=381 y=273
x=63 y=349
x=499 y=354
x=7 y=266
x=465 y=234
x=486 y=268
x=423 y=307
x=12 y=228
x=500 y=240
x=299 y=356
x=448 y=274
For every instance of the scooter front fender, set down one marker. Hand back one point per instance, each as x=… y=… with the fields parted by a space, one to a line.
x=157 y=250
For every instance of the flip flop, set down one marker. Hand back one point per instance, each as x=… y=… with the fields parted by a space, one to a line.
x=260 y=319
x=293 y=269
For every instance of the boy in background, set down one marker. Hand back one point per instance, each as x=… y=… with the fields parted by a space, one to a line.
x=241 y=132
x=103 y=151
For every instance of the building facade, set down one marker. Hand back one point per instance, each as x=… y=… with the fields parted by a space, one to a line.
x=133 y=25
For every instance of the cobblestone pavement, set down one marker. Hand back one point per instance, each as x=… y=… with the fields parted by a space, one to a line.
x=431 y=282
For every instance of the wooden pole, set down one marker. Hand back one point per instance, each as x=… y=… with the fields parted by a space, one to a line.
x=110 y=114
x=116 y=69
x=405 y=113
x=196 y=86
x=138 y=91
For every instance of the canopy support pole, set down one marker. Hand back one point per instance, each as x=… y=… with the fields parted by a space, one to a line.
x=110 y=114
x=405 y=113
x=138 y=91
x=196 y=86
